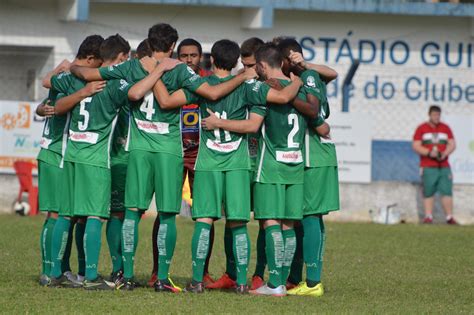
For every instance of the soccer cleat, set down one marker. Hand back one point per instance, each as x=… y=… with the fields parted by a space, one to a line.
x=451 y=221
x=166 y=286
x=152 y=280
x=427 y=220
x=197 y=287
x=80 y=278
x=63 y=282
x=242 y=289
x=72 y=277
x=257 y=282
x=207 y=280
x=98 y=284
x=266 y=290
x=44 y=280
x=116 y=276
x=303 y=290
x=224 y=282
x=126 y=285
x=290 y=285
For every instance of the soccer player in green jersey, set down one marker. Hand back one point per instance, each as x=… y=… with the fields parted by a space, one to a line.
x=320 y=172
x=53 y=145
x=87 y=185
x=279 y=172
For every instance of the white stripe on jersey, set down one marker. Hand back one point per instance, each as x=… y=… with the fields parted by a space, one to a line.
x=306 y=144
x=65 y=137
x=259 y=171
x=129 y=128
x=111 y=135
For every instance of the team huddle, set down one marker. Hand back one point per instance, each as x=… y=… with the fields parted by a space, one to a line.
x=115 y=135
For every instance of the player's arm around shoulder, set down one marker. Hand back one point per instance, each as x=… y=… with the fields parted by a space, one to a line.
x=287 y=94
x=250 y=125
x=67 y=103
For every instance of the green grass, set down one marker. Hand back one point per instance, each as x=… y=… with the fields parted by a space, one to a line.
x=367 y=269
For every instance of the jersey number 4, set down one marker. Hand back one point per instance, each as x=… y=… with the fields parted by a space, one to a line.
x=147 y=106
x=83 y=112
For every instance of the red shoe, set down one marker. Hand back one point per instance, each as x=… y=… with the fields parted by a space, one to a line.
x=152 y=280
x=207 y=280
x=224 y=282
x=427 y=220
x=451 y=221
x=290 y=285
x=257 y=282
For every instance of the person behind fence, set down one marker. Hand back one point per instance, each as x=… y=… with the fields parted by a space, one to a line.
x=434 y=142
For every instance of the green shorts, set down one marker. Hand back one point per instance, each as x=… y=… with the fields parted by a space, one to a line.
x=49 y=180
x=278 y=201
x=85 y=190
x=213 y=189
x=118 y=171
x=154 y=172
x=321 y=190
x=437 y=180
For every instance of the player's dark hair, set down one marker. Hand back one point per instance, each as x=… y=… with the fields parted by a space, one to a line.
x=434 y=108
x=278 y=39
x=270 y=54
x=161 y=37
x=90 y=47
x=143 y=49
x=250 y=46
x=225 y=54
x=190 y=42
x=287 y=44
x=112 y=46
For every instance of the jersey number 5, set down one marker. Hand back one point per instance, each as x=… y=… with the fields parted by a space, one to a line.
x=83 y=112
x=293 y=120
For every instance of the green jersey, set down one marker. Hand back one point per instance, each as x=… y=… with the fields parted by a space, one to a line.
x=221 y=149
x=280 y=154
x=93 y=121
x=153 y=129
x=315 y=86
x=55 y=129
x=118 y=154
x=320 y=152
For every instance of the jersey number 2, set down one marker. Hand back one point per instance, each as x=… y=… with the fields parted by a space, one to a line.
x=293 y=120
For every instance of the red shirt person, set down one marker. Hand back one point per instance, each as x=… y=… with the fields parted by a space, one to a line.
x=434 y=142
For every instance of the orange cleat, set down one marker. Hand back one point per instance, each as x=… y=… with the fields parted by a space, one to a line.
x=224 y=282
x=257 y=282
x=152 y=280
x=207 y=280
x=290 y=285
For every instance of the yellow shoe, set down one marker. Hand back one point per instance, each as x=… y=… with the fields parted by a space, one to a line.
x=303 y=290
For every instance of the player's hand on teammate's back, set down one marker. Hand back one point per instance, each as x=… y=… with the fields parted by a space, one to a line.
x=168 y=64
x=148 y=63
x=295 y=78
x=94 y=87
x=45 y=110
x=274 y=84
x=65 y=65
x=210 y=123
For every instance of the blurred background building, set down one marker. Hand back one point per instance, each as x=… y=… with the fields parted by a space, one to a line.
x=412 y=54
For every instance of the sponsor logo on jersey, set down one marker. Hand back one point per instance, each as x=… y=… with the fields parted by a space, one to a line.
x=311 y=82
x=152 y=127
x=190 y=120
x=289 y=156
x=123 y=84
x=45 y=142
x=223 y=147
x=88 y=137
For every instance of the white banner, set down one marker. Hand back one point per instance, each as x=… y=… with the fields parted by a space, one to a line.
x=352 y=135
x=462 y=159
x=20 y=133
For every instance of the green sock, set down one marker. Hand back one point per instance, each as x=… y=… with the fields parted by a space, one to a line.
x=81 y=255
x=200 y=248
x=58 y=244
x=166 y=243
x=229 y=253
x=129 y=241
x=313 y=246
x=274 y=249
x=92 y=243
x=289 y=239
x=43 y=234
x=261 y=256
x=65 y=264
x=296 y=271
x=114 y=233
x=321 y=248
x=241 y=247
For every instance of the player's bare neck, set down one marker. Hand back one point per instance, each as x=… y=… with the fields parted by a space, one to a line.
x=159 y=56
x=221 y=73
x=276 y=73
x=80 y=62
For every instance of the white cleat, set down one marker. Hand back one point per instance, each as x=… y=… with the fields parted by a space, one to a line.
x=266 y=290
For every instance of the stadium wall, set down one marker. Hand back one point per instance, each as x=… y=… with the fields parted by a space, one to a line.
x=407 y=63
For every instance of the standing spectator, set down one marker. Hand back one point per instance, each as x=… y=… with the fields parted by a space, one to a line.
x=434 y=142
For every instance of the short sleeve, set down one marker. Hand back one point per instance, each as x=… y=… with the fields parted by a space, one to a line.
x=318 y=121
x=60 y=83
x=418 y=134
x=256 y=92
x=187 y=78
x=312 y=82
x=118 y=71
x=191 y=98
x=259 y=110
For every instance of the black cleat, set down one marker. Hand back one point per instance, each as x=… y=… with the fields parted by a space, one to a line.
x=195 y=287
x=166 y=286
x=242 y=289
x=126 y=285
x=63 y=282
x=99 y=284
x=116 y=276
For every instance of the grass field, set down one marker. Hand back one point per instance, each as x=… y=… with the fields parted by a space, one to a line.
x=368 y=269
